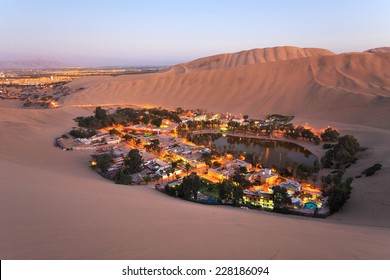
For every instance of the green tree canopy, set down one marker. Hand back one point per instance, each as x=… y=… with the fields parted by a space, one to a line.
x=103 y=161
x=190 y=187
x=157 y=122
x=121 y=177
x=207 y=158
x=280 y=196
x=346 y=148
x=228 y=190
x=114 y=132
x=240 y=179
x=100 y=113
x=133 y=161
x=330 y=134
x=147 y=179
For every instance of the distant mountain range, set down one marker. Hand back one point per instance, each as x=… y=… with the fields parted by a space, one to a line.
x=34 y=64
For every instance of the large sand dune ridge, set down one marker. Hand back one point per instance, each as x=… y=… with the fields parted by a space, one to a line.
x=354 y=85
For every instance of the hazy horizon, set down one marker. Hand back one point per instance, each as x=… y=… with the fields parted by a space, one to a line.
x=132 y=33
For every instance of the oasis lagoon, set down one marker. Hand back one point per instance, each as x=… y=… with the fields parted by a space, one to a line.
x=268 y=153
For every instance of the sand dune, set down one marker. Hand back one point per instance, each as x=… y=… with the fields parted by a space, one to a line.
x=379 y=50
x=53 y=207
x=255 y=56
x=355 y=85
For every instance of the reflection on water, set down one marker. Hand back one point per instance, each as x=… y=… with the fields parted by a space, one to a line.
x=267 y=152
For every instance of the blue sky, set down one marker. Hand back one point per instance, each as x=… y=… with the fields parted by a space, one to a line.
x=151 y=32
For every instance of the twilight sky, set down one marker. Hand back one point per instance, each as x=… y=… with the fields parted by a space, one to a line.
x=152 y=32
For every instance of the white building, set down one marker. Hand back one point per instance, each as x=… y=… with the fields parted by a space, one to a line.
x=264 y=176
x=237 y=163
x=84 y=141
x=112 y=140
x=291 y=186
x=200 y=118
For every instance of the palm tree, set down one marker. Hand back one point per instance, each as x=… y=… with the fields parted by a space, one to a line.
x=157 y=177
x=169 y=172
x=188 y=167
x=161 y=173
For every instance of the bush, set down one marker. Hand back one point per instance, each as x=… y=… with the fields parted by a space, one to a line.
x=78 y=133
x=327 y=146
x=339 y=195
x=122 y=178
x=103 y=161
x=342 y=153
x=316 y=140
x=330 y=134
x=371 y=170
x=170 y=191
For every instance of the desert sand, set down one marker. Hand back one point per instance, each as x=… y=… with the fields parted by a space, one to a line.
x=351 y=88
x=52 y=206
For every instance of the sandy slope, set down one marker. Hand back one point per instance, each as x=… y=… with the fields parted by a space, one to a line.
x=53 y=207
x=352 y=88
x=255 y=56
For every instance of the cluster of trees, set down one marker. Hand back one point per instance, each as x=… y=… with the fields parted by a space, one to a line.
x=127 y=115
x=165 y=114
x=229 y=190
x=189 y=188
x=131 y=139
x=330 y=134
x=250 y=126
x=277 y=122
x=82 y=133
x=331 y=180
x=97 y=121
x=304 y=172
x=103 y=161
x=299 y=131
x=207 y=157
x=239 y=178
x=281 y=198
x=154 y=145
x=338 y=195
x=132 y=164
x=233 y=189
x=133 y=161
x=148 y=116
x=288 y=129
x=226 y=190
x=115 y=132
x=122 y=177
x=342 y=153
x=184 y=128
x=280 y=118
